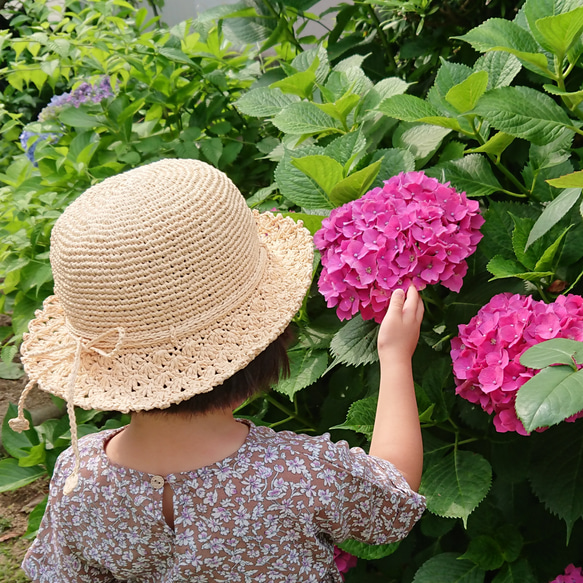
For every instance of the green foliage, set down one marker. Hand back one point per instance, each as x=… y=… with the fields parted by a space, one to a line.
x=385 y=90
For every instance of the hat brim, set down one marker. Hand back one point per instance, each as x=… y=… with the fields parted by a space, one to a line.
x=159 y=375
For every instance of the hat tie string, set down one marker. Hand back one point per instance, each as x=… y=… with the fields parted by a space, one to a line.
x=20 y=423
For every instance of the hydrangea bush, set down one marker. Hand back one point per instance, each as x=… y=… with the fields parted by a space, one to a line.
x=572 y=575
x=85 y=93
x=486 y=353
x=412 y=231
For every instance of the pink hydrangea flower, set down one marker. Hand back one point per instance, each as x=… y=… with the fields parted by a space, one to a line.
x=344 y=561
x=572 y=575
x=486 y=354
x=413 y=230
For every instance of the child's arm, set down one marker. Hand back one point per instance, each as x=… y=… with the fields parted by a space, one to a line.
x=397 y=434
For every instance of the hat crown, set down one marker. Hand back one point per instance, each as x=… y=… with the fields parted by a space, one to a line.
x=159 y=251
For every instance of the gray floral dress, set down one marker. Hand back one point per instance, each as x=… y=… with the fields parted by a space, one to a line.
x=271 y=512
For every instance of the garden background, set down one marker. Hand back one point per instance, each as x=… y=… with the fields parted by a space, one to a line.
x=484 y=95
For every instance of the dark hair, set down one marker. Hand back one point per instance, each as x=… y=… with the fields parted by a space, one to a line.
x=264 y=371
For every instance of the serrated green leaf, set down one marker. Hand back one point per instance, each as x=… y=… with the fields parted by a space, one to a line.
x=312 y=222
x=498 y=34
x=368 y=552
x=315 y=60
x=382 y=90
x=466 y=94
x=356 y=342
x=456 y=484
x=17 y=444
x=306 y=367
x=502 y=68
x=547 y=259
x=407 y=108
x=556 y=476
x=355 y=185
x=341 y=108
x=8 y=353
x=553 y=213
x=301 y=84
x=12 y=476
x=419 y=139
x=303 y=118
x=295 y=185
x=264 y=102
x=346 y=147
x=485 y=552
x=495 y=145
x=448 y=568
x=541 y=122
x=361 y=417
x=519 y=572
x=471 y=174
x=213 y=149
x=502 y=268
x=554 y=351
x=561 y=31
x=549 y=397
x=323 y=170
x=393 y=161
x=573 y=180
x=448 y=76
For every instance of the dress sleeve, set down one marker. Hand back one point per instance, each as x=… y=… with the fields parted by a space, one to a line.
x=362 y=497
x=50 y=558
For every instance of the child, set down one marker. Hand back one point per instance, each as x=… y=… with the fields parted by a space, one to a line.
x=171 y=301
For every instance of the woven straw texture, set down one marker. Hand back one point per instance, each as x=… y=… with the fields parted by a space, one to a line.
x=166 y=284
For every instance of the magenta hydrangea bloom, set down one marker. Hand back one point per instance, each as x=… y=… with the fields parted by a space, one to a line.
x=413 y=230
x=572 y=575
x=344 y=561
x=486 y=354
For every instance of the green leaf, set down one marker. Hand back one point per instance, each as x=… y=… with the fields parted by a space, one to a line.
x=37 y=455
x=456 y=484
x=368 y=552
x=10 y=371
x=355 y=185
x=212 y=148
x=498 y=34
x=341 y=108
x=35 y=518
x=448 y=76
x=547 y=259
x=554 y=351
x=485 y=552
x=78 y=118
x=408 y=108
x=306 y=367
x=361 y=417
x=448 y=568
x=324 y=171
x=502 y=268
x=519 y=572
x=346 y=147
x=316 y=60
x=501 y=67
x=495 y=145
x=419 y=139
x=356 y=342
x=549 y=397
x=393 y=161
x=264 y=102
x=175 y=55
x=12 y=476
x=382 y=90
x=561 y=31
x=471 y=174
x=541 y=122
x=295 y=185
x=17 y=444
x=556 y=474
x=553 y=213
x=573 y=180
x=466 y=94
x=303 y=118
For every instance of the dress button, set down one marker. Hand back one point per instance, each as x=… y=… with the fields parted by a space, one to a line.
x=157 y=482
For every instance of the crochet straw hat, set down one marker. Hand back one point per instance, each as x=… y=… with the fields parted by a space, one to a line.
x=166 y=284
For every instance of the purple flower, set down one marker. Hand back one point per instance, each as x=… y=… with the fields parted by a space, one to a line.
x=29 y=147
x=572 y=575
x=486 y=354
x=413 y=230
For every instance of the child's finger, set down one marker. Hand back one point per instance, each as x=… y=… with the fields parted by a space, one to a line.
x=412 y=300
x=397 y=301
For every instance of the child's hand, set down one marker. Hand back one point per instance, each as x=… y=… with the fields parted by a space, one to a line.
x=399 y=331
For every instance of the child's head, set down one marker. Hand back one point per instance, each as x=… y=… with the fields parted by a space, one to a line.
x=166 y=285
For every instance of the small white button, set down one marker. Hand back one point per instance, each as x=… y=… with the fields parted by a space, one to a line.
x=157 y=482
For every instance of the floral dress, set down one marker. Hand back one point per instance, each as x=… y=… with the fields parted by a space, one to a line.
x=271 y=512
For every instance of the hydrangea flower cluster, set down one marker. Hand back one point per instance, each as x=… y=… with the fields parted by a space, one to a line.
x=344 y=561
x=85 y=93
x=413 y=230
x=486 y=354
x=572 y=575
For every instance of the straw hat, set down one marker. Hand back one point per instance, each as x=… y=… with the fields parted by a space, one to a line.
x=166 y=284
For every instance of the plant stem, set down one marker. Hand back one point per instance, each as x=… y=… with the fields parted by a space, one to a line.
x=384 y=40
x=287 y=411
